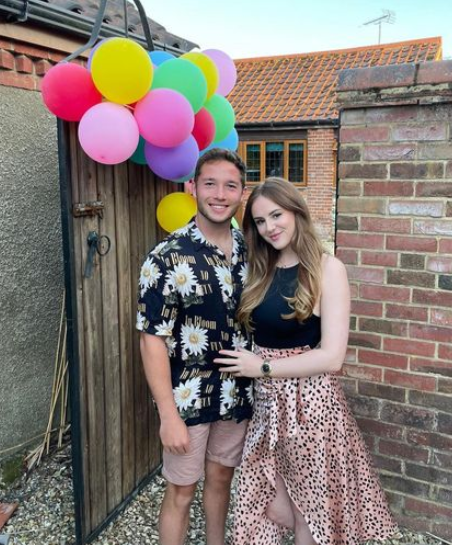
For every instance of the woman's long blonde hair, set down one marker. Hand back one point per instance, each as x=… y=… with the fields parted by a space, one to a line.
x=262 y=257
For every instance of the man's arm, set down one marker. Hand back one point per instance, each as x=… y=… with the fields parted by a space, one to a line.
x=173 y=431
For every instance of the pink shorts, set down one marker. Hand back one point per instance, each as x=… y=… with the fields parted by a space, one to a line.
x=220 y=442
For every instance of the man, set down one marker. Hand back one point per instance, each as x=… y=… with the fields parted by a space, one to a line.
x=190 y=287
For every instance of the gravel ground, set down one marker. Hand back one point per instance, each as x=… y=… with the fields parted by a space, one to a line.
x=45 y=515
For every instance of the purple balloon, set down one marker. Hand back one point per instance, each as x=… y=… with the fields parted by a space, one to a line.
x=172 y=163
x=226 y=70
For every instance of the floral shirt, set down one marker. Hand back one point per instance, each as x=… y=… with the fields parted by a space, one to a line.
x=189 y=294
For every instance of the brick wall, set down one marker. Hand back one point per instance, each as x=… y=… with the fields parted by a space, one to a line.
x=320 y=192
x=394 y=232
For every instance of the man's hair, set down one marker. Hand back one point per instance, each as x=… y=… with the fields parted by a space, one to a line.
x=221 y=154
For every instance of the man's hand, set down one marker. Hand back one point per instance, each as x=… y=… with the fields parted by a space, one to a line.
x=174 y=435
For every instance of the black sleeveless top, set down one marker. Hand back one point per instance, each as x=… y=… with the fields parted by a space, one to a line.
x=273 y=331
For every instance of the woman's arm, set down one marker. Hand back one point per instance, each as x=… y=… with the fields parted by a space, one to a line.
x=335 y=314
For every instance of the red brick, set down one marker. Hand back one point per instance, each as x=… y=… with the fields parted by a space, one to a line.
x=367 y=308
x=347 y=256
x=377 y=77
x=366 y=274
x=396 y=361
x=402 y=346
x=416 y=208
x=360 y=240
x=419 y=314
x=439 y=264
x=380 y=429
x=22 y=81
x=434 y=298
x=368 y=134
x=396 y=328
x=24 y=64
x=445 y=246
x=385 y=293
x=431 y=72
x=350 y=356
x=42 y=67
x=434 y=366
x=433 y=227
x=445 y=386
x=389 y=153
x=363 y=372
x=57 y=57
x=391 y=114
x=355 y=205
x=417 y=171
x=350 y=189
x=430 y=333
x=427 y=508
x=434 y=189
x=353 y=290
x=386 y=225
x=4 y=44
x=363 y=171
x=29 y=51
x=432 y=131
x=408 y=380
x=441 y=317
x=411 y=278
x=413 y=244
x=6 y=60
x=403 y=189
x=402 y=450
x=445 y=351
x=381 y=259
x=365 y=339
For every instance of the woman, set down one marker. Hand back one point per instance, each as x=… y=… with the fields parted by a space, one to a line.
x=305 y=466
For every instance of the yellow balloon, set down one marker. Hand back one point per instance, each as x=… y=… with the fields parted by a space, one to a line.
x=207 y=67
x=122 y=70
x=175 y=210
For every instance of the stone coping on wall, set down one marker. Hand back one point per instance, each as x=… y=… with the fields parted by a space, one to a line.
x=414 y=83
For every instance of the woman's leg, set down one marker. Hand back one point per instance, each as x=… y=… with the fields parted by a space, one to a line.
x=280 y=509
x=303 y=534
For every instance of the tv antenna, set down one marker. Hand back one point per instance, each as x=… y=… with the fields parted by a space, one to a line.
x=387 y=17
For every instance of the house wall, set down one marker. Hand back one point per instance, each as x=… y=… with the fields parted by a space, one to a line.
x=31 y=269
x=395 y=236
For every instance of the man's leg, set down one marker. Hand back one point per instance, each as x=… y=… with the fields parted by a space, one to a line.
x=224 y=453
x=174 y=513
x=217 y=491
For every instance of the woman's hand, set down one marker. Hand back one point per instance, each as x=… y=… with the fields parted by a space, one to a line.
x=240 y=363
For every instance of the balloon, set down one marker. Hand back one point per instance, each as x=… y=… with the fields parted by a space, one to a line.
x=108 y=133
x=204 y=128
x=68 y=91
x=235 y=223
x=159 y=57
x=172 y=163
x=207 y=67
x=165 y=118
x=226 y=70
x=231 y=142
x=223 y=115
x=175 y=210
x=122 y=70
x=186 y=78
x=93 y=50
x=138 y=156
x=185 y=179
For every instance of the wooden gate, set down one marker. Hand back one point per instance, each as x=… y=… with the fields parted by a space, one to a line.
x=114 y=425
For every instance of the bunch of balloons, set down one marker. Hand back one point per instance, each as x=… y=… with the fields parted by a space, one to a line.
x=151 y=108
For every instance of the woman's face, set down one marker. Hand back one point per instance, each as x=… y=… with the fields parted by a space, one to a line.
x=274 y=224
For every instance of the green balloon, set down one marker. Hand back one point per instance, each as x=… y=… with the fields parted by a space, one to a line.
x=184 y=77
x=235 y=223
x=223 y=115
x=138 y=155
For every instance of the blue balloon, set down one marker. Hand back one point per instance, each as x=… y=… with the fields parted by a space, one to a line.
x=159 y=57
x=231 y=142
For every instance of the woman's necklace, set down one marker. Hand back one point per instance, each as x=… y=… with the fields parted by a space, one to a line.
x=291 y=263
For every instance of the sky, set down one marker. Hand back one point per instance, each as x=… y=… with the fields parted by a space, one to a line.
x=259 y=28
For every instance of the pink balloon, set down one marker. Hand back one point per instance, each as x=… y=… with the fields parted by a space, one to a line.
x=68 y=91
x=226 y=70
x=165 y=118
x=108 y=133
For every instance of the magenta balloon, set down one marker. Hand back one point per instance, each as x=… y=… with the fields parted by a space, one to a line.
x=108 y=133
x=165 y=118
x=68 y=91
x=172 y=163
x=226 y=70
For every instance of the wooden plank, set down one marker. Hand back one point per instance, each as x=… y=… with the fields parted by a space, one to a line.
x=93 y=338
x=110 y=324
x=126 y=319
x=76 y=178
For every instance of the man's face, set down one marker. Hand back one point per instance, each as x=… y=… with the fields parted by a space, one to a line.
x=218 y=191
